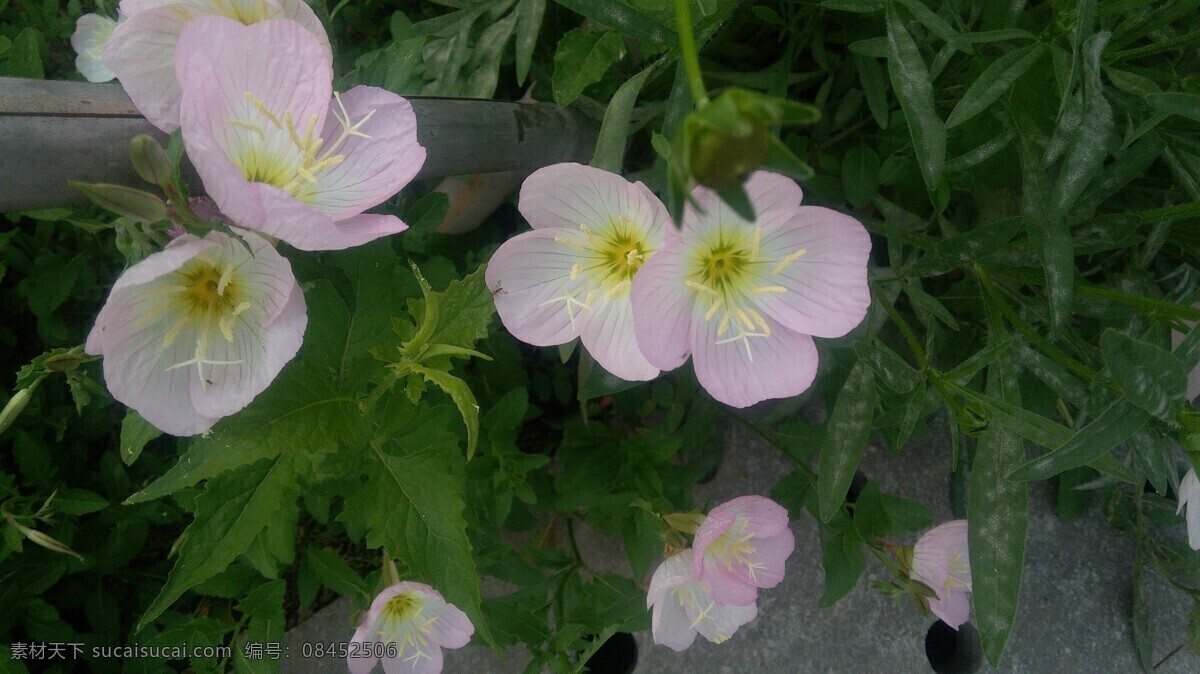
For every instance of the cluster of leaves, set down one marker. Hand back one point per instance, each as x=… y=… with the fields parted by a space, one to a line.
x=1030 y=177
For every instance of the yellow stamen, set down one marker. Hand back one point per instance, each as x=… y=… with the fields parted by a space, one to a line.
x=245 y=125
x=702 y=288
x=760 y=322
x=262 y=108
x=712 y=311
x=567 y=242
x=757 y=240
x=788 y=260
x=768 y=289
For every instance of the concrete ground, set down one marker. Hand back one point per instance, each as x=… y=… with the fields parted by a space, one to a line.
x=1075 y=601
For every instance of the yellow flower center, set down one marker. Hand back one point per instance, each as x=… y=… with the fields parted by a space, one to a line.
x=400 y=622
x=611 y=259
x=733 y=547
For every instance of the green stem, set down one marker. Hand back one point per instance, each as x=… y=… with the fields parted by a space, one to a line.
x=687 y=52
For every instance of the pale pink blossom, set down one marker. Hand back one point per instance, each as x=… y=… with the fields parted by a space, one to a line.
x=277 y=150
x=142 y=49
x=571 y=276
x=1189 y=497
x=193 y=333
x=682 y=607
x=408 y=624
x=941 y=561
x=741 y=546
x=92 y=32
x=744 y=299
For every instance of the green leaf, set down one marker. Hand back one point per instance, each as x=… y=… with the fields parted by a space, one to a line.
x=595 y=381
x=1153 y=379
x=1088 y=144
x=998 y=517
x=870 y=75
x=529 y=13
x=624 y=18
x=334 y=573
x=230 y=514
x=893 y=371
x=904 y=515
x=581 y=60
x=1116 y=424
x=1143 y=625
x=614 y=130
x=914 y=88
x=135 y=433
x=860 y=175
x=79 y=501
x=964 y=249
x=980 y=154
x=23 y=58
x=849 y=429
x=994 y=82
x=411 y=505
x=936 y=24
x=1176 y=103
x=463 y=399
x=870 y=518
x=842 y=557
x=465 y=310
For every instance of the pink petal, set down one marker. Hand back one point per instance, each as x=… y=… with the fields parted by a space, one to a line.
x=672 y=572
x=131 y=7
x=374 y=168
x=568 y=195
x=663 y=306
x=452 y=629
x=360 y=662
x=430 y=663
x=763 y=516
x=827 y=293
x=723 y=621
x=608 y=335
x=954 y=610
x=728 y=586
x=772 y=553
x=141 y=53
x=714 y=526
x=671 y=626
x=775 y=199
x=742 y=373
x=529 y=276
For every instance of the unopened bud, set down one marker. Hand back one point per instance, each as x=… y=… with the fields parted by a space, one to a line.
x=43 y=540
x=136 y=204
x=150 y=161
x=13 y=408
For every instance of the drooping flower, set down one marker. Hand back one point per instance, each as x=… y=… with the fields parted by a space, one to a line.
x=142 y=49
x=92 y=32
x=682 y=607
x=193 y=333
x=941 y=561
x=1189 y=497
x=571 y=276
x=275 y=151
x=408 y=624
x=745 y=299
x=741 y=546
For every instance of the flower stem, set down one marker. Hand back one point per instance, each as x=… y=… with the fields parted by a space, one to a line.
x=687 y=52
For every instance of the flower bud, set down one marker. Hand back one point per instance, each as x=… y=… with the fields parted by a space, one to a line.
x=150 y=161
x=719 y=160
x=13 y=408
x=136 y=204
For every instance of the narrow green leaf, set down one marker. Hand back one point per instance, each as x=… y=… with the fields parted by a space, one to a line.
x=230 y=514
x=1115 y=425
x=1088 y=145
x=998 y=517
x=860 y=175
x=1176 y=103
x=529 y=22
x=849 y=430
x=135 y=433
x=980 y=154
x=1017 y=420
x=964 y=249
x=928 y=18
x=1152 y=378
x=614 y=130
x=892 y=370
x=334 y=573
x=624 y=18
x=993 y=82
x=581 y=60
x=911 y=81
x=870 y=75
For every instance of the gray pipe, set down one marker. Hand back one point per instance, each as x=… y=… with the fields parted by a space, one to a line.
x=54 y=131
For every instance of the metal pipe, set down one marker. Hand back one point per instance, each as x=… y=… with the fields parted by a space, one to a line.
x=54 y=131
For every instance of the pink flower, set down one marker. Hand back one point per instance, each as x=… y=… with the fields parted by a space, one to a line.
x=941 y=561
x=408 y=624
x=741 y=546
x=571 y=276
x=92 y=32
x=193 y=333
x=142 y=49
x=1189 y=497
x=274 y=151
x=683 y=607
x=745 y=298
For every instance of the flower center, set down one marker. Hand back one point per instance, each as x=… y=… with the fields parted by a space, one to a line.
x=611 y=258
x=733 y=547
x=623 y=254
x=404 y=606
x=400 y=622
x=296 y=165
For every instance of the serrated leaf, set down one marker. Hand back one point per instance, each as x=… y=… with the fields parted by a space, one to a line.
x=231 y=512
x=914 y=88
x=465 y=310
x=463 y=399
x=135 y=433
x=849 y=430
x=581 y=60
x=411 y=505
x=993 y=82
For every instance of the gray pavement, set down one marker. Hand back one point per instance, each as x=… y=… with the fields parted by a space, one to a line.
x=1075 y=601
